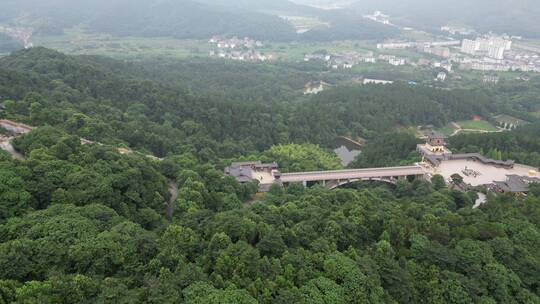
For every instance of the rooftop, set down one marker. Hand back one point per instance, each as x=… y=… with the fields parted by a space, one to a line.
x=483 y=159
x=435 y=135
x=249 y=171
x=516 y=183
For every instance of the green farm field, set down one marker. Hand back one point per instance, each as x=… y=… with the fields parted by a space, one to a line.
x=295 y=51
x=480 y=125
x=79 y=42
x=447 y=130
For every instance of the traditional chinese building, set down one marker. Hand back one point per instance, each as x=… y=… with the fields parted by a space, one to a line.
x=254 y=171
x=514 y=184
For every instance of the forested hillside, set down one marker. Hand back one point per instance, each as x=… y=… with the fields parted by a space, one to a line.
x=230 y=80
x=186 y=19
x=180 y=19
x=521 y=145
x=105 y=100
x=520 y=99
x=347 y=25
x=501 y=16
x=86 y=224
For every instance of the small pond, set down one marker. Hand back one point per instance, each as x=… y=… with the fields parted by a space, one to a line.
x=347 y=150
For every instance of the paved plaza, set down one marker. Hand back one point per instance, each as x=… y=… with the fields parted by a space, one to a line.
x=477 y=173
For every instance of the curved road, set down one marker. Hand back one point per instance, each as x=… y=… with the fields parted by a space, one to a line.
x=20 y=129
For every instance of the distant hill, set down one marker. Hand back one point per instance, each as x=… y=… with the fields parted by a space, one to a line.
x=262 y=5
x=176 y=18
x=188 y=19
x=326 y=4
x=503 y=16
x=257 y=19
x=8 y=44
x=347 y=25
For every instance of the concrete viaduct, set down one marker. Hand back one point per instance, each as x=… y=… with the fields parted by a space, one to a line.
x=334 y=179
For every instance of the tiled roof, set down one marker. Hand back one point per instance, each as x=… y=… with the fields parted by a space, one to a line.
x=516 y=183
x=435 y=135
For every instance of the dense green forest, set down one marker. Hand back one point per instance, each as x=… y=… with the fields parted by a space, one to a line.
x=86 y=224
x=521 y=145
x=520 y=99
x=100 y=100
x=388 y=149
x=83 y=224
x=230 y=80
x=129 y=103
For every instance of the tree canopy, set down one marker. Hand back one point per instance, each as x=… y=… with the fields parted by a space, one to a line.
x=81 y=222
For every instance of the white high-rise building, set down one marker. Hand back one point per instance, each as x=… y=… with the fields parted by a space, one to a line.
x=483 y=44
x=469 y=46
x=396 y=61
x=496 y=52
x=507 y=44
x=493 y=47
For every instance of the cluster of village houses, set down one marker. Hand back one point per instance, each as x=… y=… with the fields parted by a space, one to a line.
x=482 y=53
x=315 y=87
x=493 y=53
x=379 y=17
x=20 y=34
x=235 y=48
x=349 y=59
x=485 y=53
